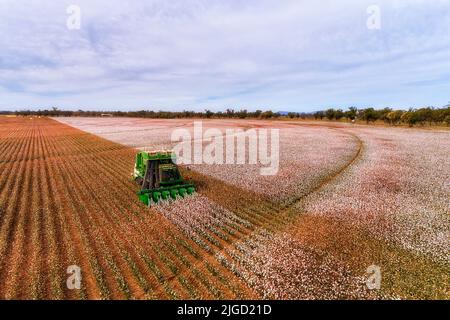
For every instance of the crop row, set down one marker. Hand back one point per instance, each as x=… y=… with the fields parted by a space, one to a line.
x=67 y=200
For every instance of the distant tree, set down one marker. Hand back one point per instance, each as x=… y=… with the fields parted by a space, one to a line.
x=447 y=120
x=445 y=115
x=394 y=117
x=409 y=118
x=382 y=114
x=339 y=114
x=230 y=113
x=370 y=115
x=330 y=114
x=351 y=113
x=267 y=115
x=242 y=114
x=319 y=115
x=426 y=115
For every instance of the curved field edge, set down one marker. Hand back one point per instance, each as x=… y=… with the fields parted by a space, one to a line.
x=407 y=273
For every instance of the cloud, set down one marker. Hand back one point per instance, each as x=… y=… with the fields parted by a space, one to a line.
x=291 y=54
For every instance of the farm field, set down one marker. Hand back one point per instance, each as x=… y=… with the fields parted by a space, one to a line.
x=346 y=197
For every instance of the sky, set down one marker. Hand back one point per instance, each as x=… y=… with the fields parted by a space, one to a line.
x=283 y=55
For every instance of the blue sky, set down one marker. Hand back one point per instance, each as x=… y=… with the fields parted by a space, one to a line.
x=290 y=55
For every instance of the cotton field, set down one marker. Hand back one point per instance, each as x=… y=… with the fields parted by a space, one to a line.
x=346 y=200
x=399 y=190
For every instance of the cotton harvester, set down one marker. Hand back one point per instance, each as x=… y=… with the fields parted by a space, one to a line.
x=159 y=177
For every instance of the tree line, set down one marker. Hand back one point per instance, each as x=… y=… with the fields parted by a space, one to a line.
x=229 y=113
x=411 y=117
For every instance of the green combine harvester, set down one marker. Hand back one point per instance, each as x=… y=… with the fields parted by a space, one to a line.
x=159 y=178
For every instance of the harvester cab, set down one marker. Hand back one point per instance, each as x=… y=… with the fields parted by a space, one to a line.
x=159 y=178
